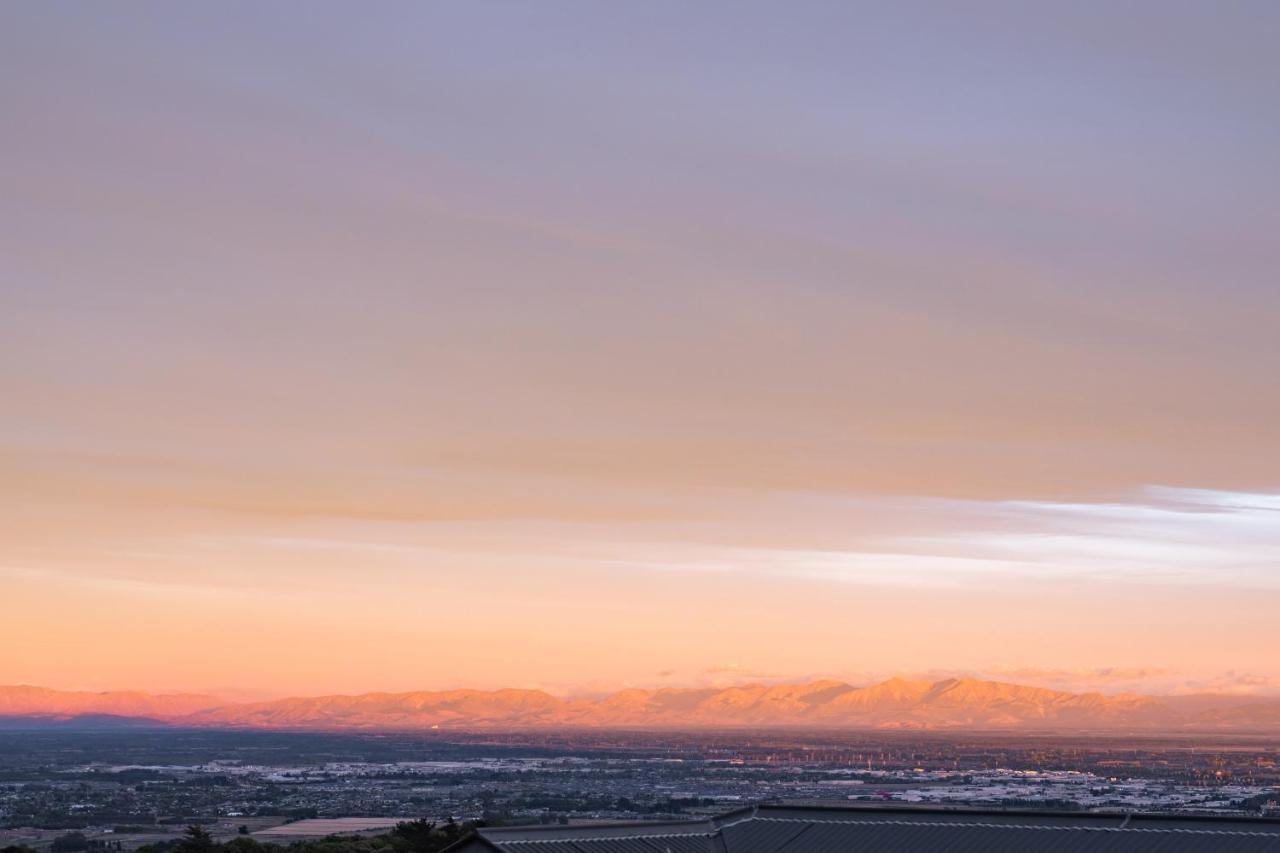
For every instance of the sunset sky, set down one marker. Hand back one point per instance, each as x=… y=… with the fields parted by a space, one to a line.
x=397 y=346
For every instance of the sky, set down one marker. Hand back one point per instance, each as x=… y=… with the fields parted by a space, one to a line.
x=398 y=346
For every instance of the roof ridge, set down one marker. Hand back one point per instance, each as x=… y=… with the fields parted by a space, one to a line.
x=599 y=824
x=707 y=834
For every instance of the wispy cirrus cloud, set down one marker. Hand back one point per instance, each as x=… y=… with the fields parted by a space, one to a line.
x=1161 y=535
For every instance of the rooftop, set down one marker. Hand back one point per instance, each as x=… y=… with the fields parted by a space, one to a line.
x=850 y=828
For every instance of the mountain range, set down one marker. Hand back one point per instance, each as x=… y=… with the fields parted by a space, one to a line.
x=954 y=703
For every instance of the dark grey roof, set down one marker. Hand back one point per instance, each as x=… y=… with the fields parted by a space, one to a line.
x=840 y=836
x=886 y=829
x=646 y=837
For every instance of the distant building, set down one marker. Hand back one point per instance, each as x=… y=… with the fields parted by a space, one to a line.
x=885 y=829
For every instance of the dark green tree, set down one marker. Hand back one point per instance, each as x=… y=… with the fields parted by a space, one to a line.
x=69 y=843
x=416 y=836
x=245 y=844
x=196 y=840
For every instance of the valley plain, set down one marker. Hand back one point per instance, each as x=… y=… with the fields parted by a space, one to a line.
x=130 y=787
